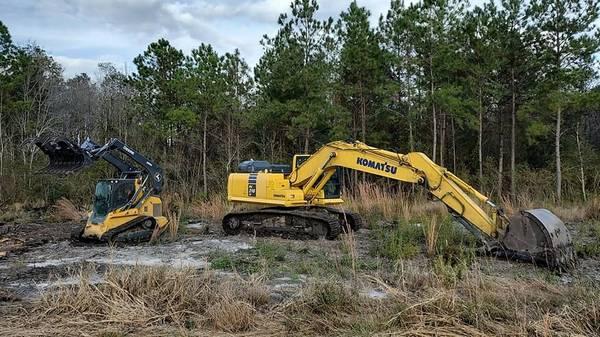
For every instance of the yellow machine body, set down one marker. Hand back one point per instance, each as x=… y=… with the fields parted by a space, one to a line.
x=125 y=208
x=271 y=189
x=132 y=210
x=536 y=234
x=305 y=184
x=150 y=208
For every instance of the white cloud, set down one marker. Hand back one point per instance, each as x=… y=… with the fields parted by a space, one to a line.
x=74 y=66
x=82 y=33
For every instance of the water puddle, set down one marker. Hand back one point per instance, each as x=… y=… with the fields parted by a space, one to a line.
x=375 y=294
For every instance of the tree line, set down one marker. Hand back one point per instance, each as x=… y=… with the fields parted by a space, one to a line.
x=505 y=94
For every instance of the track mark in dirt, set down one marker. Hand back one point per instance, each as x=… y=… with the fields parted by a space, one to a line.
x=18 y=238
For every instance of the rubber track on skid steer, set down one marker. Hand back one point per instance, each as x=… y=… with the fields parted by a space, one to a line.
x=121 y=234
x=313 y=218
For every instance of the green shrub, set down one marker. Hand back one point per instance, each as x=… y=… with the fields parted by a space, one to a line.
x=403 y=241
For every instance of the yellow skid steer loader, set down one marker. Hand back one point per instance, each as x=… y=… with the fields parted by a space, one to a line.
x=125 y=209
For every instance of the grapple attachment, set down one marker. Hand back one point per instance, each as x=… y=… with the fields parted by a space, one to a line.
x=64 y=155
x=537 y=235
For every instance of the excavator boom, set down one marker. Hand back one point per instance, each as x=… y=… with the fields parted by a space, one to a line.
x=534 y=235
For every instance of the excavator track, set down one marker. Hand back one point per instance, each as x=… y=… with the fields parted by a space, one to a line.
x=347 y=219
x=292 y=223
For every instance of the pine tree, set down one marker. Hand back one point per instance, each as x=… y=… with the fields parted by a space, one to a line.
x=567 y=39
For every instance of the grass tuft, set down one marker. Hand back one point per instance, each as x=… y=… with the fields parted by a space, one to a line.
x=65 y=210
x=378 y=203
x=213 y=209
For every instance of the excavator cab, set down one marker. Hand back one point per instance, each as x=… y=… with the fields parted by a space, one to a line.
x=333 y=187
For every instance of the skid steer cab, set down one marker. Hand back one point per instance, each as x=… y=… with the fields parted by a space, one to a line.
x=127 y=208
x=115 y=215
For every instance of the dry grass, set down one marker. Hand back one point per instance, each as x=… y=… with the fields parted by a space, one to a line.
x=421 y=303
x=213 y=209
x=232 y=315
x=14 y=212
x=431 y=236
x=141 y=297
x=165 y=301
x=349 y=247
x=592 y=210
x=173 y=224
x=65 y=210
x=376 y=202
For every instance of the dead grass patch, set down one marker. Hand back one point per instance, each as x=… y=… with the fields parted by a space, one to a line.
x=211 y=209
x=419 y=302
x=592 y=209
x=232 y=315
x=145 y=296
x=65 y=210
x=376 y=202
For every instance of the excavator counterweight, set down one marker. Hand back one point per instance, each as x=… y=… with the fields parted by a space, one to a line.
x=291 y=199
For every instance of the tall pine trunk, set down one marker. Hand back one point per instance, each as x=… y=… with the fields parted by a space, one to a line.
x=363 y=126
x=354 y=174
x=204 y=176
x=557 y=155
x=581 y=165
x=453 y=145
x=513 y=188
x=307 y=140
x=1 y=140
x=501 y=158
x=411 y=139
x=442 y=137
x=480 y=138
x=434 y=117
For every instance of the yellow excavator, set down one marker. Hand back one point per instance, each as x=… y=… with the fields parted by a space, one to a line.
x=299 y=199
x=125 y=209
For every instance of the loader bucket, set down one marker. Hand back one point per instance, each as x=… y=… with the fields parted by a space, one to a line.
x=539 y=236
x=64 y=156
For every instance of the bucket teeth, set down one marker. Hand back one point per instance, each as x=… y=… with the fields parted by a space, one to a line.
x=64 y=155
x=539 y=236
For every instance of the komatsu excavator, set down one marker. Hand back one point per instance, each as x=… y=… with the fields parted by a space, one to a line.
x=299 y=199
x=125 y=209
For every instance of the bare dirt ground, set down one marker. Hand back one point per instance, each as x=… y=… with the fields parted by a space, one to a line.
x=34 y=256
x=37 y=258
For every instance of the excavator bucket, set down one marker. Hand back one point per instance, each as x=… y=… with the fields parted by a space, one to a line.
x=539 y=236
x=64 y=155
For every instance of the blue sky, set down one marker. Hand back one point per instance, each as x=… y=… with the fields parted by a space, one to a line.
x=81 y=33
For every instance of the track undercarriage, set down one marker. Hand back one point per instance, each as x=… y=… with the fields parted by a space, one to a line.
x=295 y=222
x=138 y=230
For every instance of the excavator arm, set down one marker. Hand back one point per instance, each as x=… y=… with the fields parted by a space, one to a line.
x=534 y=234
x=462 y=199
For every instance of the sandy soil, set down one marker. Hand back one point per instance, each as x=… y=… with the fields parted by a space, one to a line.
x=36 y=256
